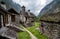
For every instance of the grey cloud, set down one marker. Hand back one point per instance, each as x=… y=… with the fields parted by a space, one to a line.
x=34 y=5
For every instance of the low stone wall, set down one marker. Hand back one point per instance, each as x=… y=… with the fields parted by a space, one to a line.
x=51 y=30
x=8 y=33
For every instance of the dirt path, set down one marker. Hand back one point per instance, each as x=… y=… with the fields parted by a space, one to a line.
x=31 y=35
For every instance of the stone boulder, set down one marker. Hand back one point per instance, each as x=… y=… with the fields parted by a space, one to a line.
x=8 y=33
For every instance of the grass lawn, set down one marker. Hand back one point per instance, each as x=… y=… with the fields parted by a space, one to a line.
x=36 y=32
x=23 y=35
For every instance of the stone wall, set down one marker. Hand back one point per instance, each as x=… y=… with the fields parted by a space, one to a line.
x=51 y=30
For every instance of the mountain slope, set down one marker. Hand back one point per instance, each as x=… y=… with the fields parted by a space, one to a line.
x=53 y=7
x=51 y=12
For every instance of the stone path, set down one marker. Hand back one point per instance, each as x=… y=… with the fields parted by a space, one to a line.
x=31 y=35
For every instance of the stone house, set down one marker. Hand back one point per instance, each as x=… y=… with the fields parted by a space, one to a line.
x=4 y=31
x=27 y=17
x=9 y=21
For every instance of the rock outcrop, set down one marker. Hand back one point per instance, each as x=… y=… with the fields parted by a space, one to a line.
x=50 y=20
x=8 y=33
x=52 y=7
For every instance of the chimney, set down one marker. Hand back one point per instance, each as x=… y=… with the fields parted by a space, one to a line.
x=3 y=4
x=28 y=10
x=23 y=8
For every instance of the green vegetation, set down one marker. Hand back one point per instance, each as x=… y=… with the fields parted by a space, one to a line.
x=37 y=19
x=36 y=32
x=23 y=35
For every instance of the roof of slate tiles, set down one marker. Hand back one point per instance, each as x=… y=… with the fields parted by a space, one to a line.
x=10 y=4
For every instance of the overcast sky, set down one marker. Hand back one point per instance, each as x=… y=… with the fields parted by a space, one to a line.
x=34 y=5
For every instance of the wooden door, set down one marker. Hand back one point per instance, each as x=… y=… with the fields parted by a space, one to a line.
x=13 y=18
x=6 y=18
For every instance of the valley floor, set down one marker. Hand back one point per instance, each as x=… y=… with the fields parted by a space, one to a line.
x=34 y=31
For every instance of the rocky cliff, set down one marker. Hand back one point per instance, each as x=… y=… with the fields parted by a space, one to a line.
x=51 y=12
x=52 y=7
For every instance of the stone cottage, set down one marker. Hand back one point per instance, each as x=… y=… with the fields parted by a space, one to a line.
x=4 y=31
x=26 y=17
x=50 y=22
x=9 y=21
